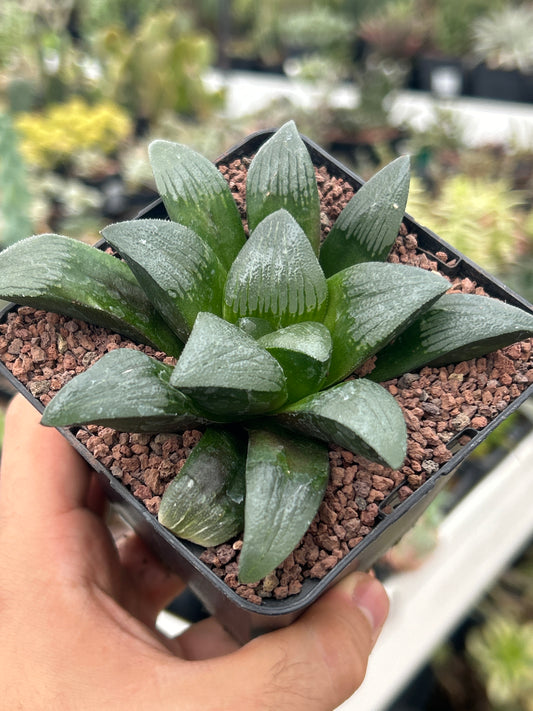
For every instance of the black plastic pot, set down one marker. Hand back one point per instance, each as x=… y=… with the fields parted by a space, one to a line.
x=442 y=76
x=501 y=84
x=242 y=618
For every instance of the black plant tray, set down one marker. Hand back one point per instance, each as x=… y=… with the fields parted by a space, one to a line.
x=244 y=619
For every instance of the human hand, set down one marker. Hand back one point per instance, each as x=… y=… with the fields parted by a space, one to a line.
x=77 y=613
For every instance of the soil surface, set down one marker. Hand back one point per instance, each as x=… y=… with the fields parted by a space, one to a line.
x=45 y=350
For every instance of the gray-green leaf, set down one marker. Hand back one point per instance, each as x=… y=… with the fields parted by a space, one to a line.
x=69 y=277
x=286 y=477
x=457 y=327
x=226 y=372
x=358 y=415
x=196 y=195
x=126 y=390
x=178 y=271
x=304 y=351
x=282 y=175
x=276 y=276
x=253 y=326
x=200 y=504
x=369 y=224
x=369 y=304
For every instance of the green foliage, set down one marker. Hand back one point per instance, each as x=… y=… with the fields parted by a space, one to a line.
x=502 y=652
x=261 y=328
x=158 y=67
x=453 y=21
x=269 y=30
x=478 y=216
x=14 y=29
x=96 y=15
x=15 y=221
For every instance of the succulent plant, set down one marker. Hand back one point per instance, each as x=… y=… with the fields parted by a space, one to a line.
x=267 y=332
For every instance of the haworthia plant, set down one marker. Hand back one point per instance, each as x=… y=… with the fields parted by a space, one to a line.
x=266 y=332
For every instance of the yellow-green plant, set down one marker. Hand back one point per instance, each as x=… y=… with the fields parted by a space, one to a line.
x=479 y=217
x=15 y=221
x=267 y=331
x=53 y=136
x=502 y=652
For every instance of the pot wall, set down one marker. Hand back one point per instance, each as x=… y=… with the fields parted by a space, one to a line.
x=244 y=619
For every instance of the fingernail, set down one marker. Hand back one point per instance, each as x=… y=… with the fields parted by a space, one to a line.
x=369 y=595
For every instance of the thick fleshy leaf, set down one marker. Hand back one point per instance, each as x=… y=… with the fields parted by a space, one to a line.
x=126 y=390
x=226 y=373
x=369 y=224
x=255 y=327
x=286 y=477
x=303 y=350
x=457 y=327
x=196 y=195
x=369 y=304
x=276 y=276
x=69 y=277
x=205 y=502
x=178 y=271
x=282 y=175
x=359 y=415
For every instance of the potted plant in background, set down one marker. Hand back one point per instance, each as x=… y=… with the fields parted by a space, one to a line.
x=266 y=349
x=502 y=48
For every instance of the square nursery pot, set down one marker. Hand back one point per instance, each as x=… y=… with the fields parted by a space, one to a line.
x=396 y=512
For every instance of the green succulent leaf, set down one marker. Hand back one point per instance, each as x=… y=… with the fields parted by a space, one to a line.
x=178 y=271
x=226 y=372
x=457 y=327
x=282 y=175
x=69 y=277
x=286 y=477
x=204 y=503
x=126 y=390
x=369 y=304
x=359 y=415
x=304 y=351
x=369 y=224
x=276 y=276
x=196 y=195
x=255 y=327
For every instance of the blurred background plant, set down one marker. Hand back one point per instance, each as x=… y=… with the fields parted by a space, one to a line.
x=503 y=38
x=452 y=22
x=62 y=133
x=502 y=653
x=158 y=67
x=15 y=221
x=478 y=216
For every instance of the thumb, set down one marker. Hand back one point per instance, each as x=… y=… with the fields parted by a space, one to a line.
x=319 y=660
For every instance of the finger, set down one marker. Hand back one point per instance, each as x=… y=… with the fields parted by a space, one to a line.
x=318 y=661
x=203 y=640
x=150 y=586
x=41 y=474
x=96 y=500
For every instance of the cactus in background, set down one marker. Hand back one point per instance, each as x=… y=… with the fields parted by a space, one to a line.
x=15 y=221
